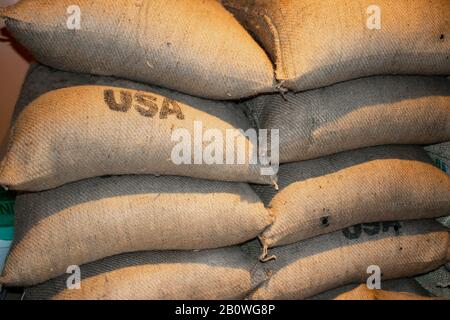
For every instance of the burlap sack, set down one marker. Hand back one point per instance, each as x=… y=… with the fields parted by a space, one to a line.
x=318 y=43
x=356 y=114
x=96 y=218
x=41 y=79
x=437 y=282
x=216 y=274
x=440 y=153
x=404 y=285
x=87 y=131
x=364 y=293
x=367 y=185
x=445 y=221
x=196 y=47
x=400 y=249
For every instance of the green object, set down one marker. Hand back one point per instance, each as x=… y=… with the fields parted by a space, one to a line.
x=7 y=201
x=6 y=233
x=440 y=162
x=6 y=213
x=442 y=165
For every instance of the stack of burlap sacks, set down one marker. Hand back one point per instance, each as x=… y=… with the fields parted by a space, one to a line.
x=92 y=154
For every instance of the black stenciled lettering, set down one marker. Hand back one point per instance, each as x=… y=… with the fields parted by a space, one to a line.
x=372 y=229
x=126 y=100
x=166 y=110
x=146 y=105
x=392 y=224
x=353 y=233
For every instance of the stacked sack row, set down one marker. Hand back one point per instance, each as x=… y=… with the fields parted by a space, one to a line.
x=437 y=283
x=94 y=153
x=161 y=230
x=370 y=87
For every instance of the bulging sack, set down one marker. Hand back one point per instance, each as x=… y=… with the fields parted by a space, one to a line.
x=96 y=218
x=318 y=43
x=399 y=249
x=440 y=154
x=41 y=79
x=87 y=131
x=403 y=285
x=206 y=275
x=364 y=293
x=367 y=185
x=357 y=114
x=195 y=47
x=437 y=282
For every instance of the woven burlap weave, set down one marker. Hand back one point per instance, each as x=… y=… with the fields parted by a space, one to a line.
x=437 y=282
x=318 y=43
x=364 y=293
x=403 y=285
x=86 y=131
x=440 y=154
x=367 y=185
x=215 y=274
x=96 y=218
x=195 y=47
x=356 y=114
x=399 y=249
